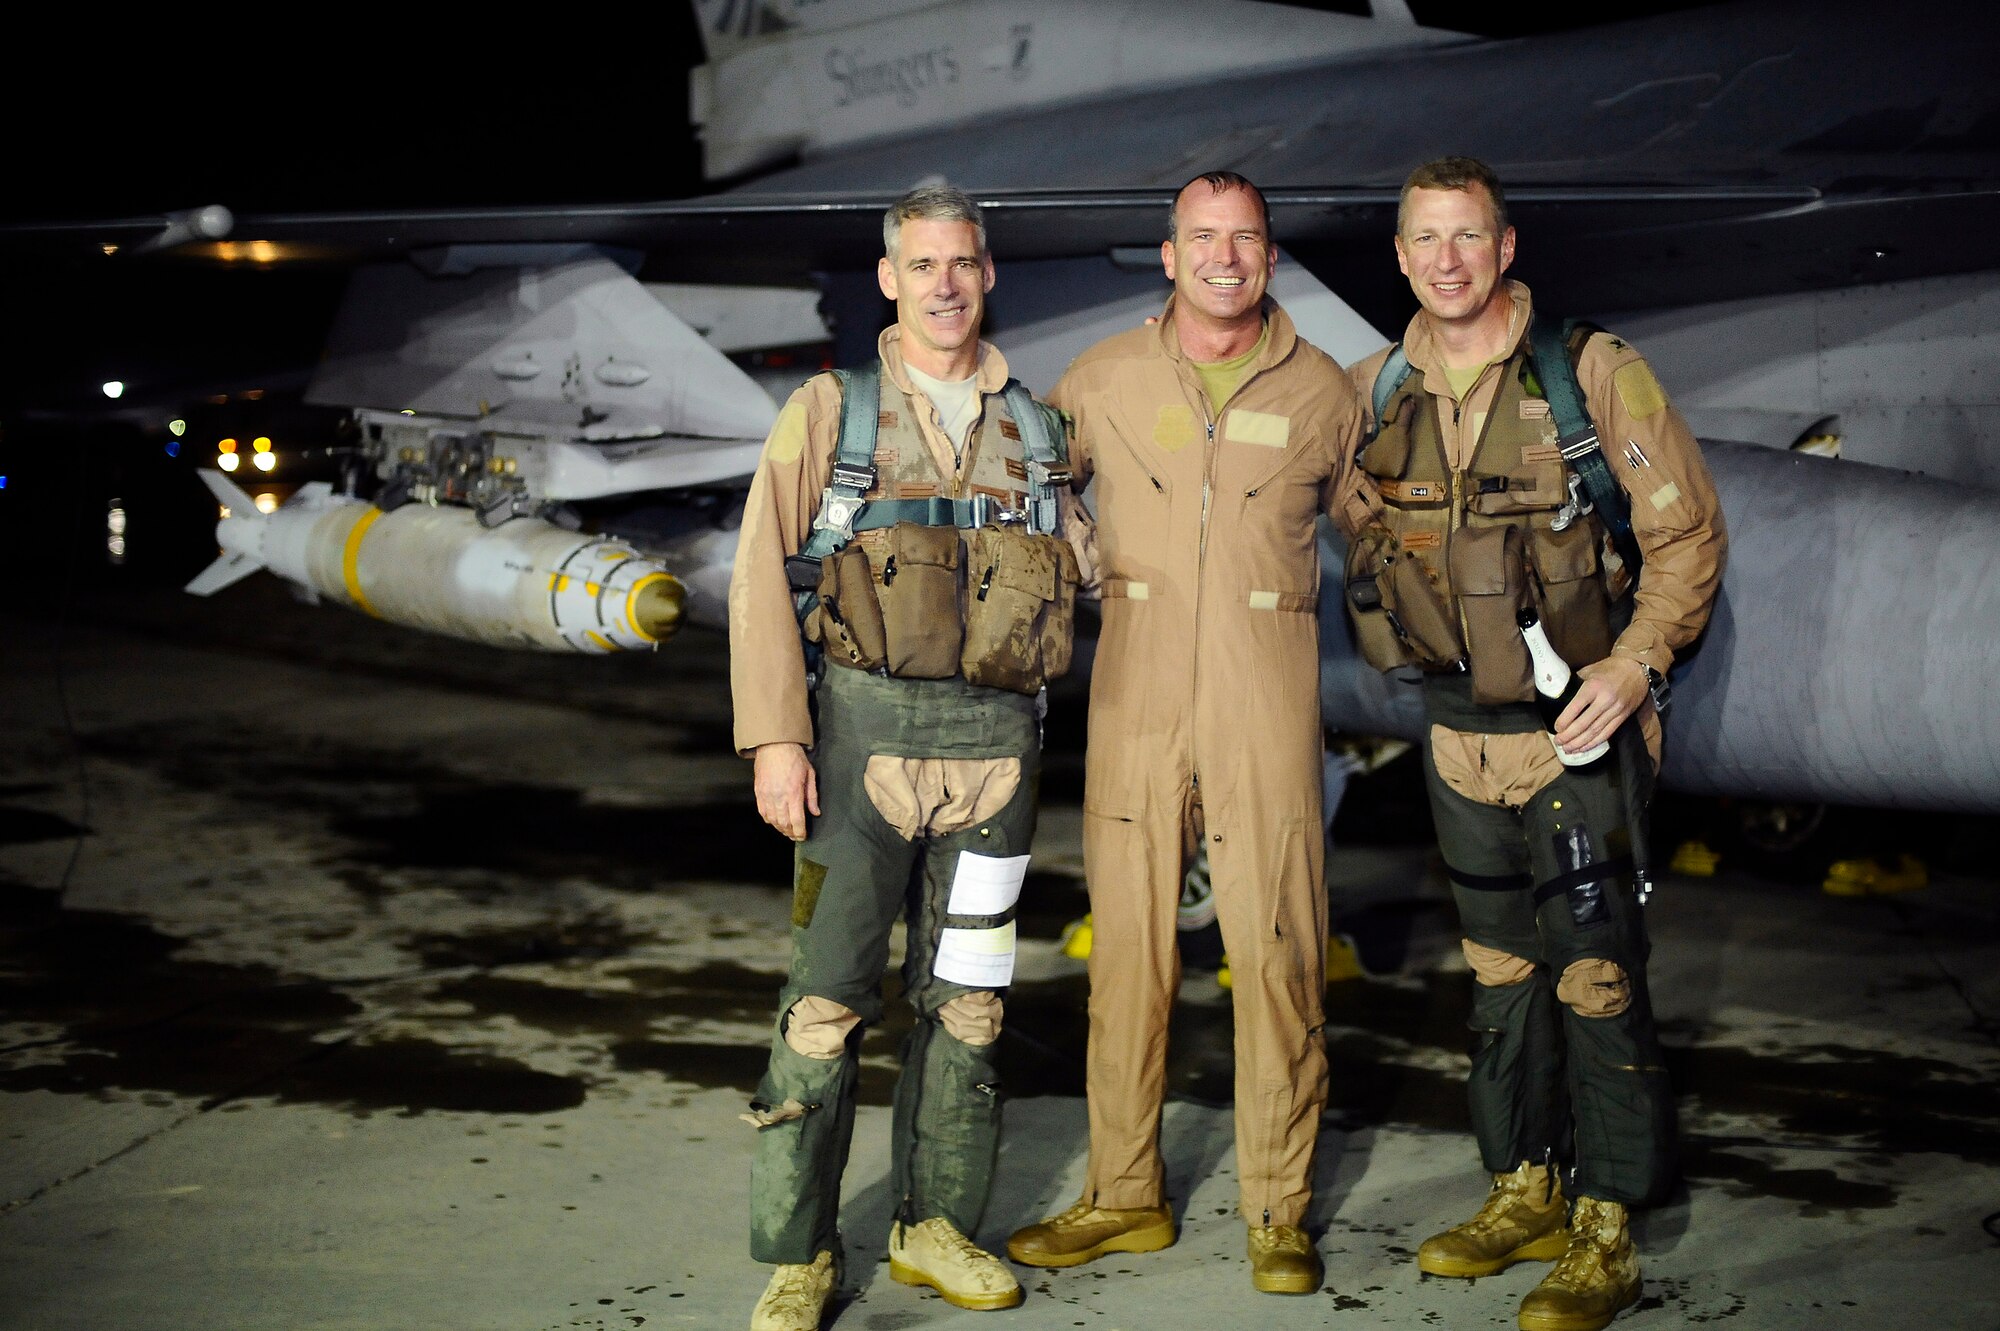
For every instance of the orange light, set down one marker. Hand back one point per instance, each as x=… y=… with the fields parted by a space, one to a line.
x=226 y=446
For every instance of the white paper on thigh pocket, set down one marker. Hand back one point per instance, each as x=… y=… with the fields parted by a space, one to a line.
x=982 y=885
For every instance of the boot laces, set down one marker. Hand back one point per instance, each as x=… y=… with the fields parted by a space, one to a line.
x=1590 y=1242
x=946 y=1236
x=1508 y=1190
x=1075 y=1215
x=792 y=1287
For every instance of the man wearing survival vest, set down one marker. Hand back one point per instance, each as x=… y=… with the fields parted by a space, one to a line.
x=903 y=589
x=1498 y=499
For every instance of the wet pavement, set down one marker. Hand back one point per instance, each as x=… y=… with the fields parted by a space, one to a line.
x=351 y=978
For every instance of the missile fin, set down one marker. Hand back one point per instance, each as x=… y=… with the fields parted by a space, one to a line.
x=225 y=571
x=228 y=493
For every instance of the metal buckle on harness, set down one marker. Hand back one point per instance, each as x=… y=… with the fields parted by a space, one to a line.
x=854 y=476
x=1580 y=444
x=1575 y=508
x=1042 y=474
x=837 y=513
x=986 y=509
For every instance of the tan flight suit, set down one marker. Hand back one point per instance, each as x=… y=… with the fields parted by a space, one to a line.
x=1562 y=1022
x=1204 y=720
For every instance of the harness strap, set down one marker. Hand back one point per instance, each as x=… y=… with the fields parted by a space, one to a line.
x=844 y=511
x=1388 y=379
x=1043 y=440
x=1576 y=434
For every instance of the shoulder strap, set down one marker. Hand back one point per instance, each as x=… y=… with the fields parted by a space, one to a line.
x=853 y=462
x=1576 y=433
x=1043 y=440
x=860 y=413
x=1390 y=378
x=841 y=503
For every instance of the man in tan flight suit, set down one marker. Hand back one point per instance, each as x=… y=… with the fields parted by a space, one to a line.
x=1215 y=439
x=908 y=775
x=1485 y=520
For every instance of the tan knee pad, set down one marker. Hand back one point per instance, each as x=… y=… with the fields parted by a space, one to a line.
x=972 y=1018
x=819 y=1027
x=1595 y=987
x=1494 y=968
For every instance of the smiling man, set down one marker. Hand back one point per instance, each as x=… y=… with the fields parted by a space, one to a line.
x=899 y=745
x=1214 y=441
x=1495 y=507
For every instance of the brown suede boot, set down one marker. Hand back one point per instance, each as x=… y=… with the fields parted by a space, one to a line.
x=1597 y=1278
x=1522 y=1221
x=1085 y=1231
x=1283 y=1260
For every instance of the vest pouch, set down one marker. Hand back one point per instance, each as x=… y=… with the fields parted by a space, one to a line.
x=848 y=618
x=1387 y=455
x=1575 y=606
x=1490 y=578
x=919 y=575
x=1375 y=635
x=1020 y=604
x=1417 y=610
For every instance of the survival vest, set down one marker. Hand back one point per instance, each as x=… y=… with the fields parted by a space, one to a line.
x=904 y=579
x=1534 y=519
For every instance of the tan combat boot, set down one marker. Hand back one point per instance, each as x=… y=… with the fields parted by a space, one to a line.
x=1283 y=1260
x=1522 y=1221
x=1597 y=1278
x=933 y=1252
x=796 y=1298
x=1085 y=1231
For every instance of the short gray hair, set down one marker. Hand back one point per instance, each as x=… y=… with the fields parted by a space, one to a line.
x=935 y=203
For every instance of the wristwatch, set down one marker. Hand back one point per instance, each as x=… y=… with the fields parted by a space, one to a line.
x=1662 y=691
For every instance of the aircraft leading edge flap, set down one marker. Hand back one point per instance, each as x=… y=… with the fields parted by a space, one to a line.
x=577 y=350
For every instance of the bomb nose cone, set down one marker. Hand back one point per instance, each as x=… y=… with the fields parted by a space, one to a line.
x=658 y=605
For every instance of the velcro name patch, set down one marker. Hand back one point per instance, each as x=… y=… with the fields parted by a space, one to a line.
x=788 y=436
x=1257 y=427
x=1639 y=390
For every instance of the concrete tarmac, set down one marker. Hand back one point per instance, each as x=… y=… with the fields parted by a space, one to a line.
x=356 y=979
